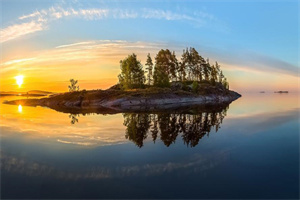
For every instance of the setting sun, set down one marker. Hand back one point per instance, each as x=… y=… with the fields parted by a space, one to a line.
x=20 y=108
x=19 y=80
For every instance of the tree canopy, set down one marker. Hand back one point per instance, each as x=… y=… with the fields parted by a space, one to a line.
x=132 y=73
x=165 y=68
x=192 y=67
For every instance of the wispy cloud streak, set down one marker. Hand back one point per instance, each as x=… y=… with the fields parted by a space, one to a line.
x=18 y=30
x=39 y=20
x=107 y=51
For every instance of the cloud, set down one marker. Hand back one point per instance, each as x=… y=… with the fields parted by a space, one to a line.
x=39 y=20
x=270 y=63
x=165 y=14
x=248 y=60
x=111 y=50
x=34 y=14
x=18 y=30
x=17 y=61
x=95 y=61
x=74 y=44
x=195 y=163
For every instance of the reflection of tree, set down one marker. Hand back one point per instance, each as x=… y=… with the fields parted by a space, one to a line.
x=137 y=127
x=154 y=129
x=169 y=128
x=73 y=118
x=192 y=127
x=193 y=130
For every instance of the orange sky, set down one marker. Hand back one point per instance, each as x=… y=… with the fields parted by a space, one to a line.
x=96 y=65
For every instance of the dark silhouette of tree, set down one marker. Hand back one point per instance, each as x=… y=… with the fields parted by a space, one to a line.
x=149 y=68
x=169 y=128
x=137 y=127
x=206 y=70
x=213 y=75
x=221 y=77
x=193 y=131
x=73 y=85
x=192 y=127
x=199 y=125
x=173 y=67
x=181 y=71
x=165 y=68
x=218 y=71
x=154 y=129
x=132 y=73
x=193 y=64
x=187 y=63
x=198 y=62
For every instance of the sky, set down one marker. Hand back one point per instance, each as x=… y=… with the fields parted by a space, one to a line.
x=49 y=42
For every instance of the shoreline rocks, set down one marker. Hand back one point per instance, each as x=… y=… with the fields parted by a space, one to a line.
x=113 y=101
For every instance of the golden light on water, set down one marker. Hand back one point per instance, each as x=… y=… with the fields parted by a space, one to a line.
x=20 y=108
x=19 y=80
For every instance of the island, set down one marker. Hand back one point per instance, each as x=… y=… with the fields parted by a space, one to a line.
x=281 y=92
x=167 y=85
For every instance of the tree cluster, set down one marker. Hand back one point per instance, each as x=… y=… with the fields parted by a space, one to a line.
x=167 y=68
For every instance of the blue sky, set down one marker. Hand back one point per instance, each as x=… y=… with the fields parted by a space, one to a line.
x=251 y=35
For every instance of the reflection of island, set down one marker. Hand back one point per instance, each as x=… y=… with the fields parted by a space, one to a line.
x=191 y=122
x=191 y=126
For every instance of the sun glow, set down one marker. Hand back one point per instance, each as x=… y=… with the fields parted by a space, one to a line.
x=20 y=108
x=19 y=80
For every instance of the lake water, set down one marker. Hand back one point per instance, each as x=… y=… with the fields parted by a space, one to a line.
x=249 y=150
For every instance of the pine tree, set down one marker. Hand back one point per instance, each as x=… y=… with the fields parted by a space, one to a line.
x=149 y=68
x=186 y=62
x=166 y=67
x=173 y=66
x=160 y=77
x=196 y=62
x=181 y=71
x=206 y=70
x=132 y=73
x=213 y=75
x=193 y=64
x=221 y=76
x=73 y=85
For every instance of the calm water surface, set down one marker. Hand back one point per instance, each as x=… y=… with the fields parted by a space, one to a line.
x=249 y=150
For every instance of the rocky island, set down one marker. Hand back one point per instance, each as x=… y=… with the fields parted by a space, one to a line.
x=115 y=100
x=172 y=85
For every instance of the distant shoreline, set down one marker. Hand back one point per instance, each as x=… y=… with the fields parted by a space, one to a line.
x=31 y=93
